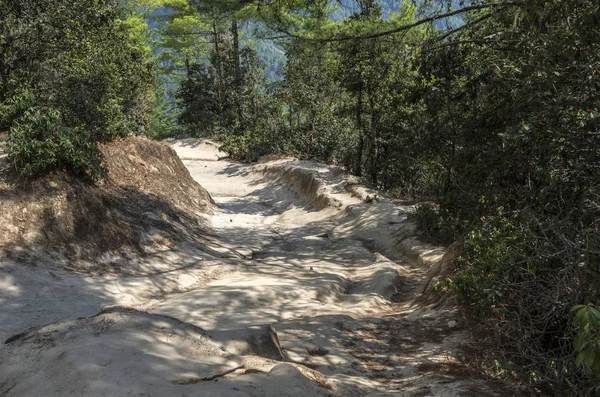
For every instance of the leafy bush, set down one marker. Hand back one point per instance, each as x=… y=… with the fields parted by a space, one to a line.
x=70 y=76
x=435 y=225
x=489 y=262
x=19 y=99
x=522 y=277
x=587 y=341
x=236 y=146
x=39 y=143
x=248 y=147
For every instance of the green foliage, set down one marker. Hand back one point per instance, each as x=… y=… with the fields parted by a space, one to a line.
x=18 y=99
x=435 y=226
x=248 y=147
x=200 y=102
x=228 y=96
x=491 y=262
x=85 y=62
x=178 y=41
x=163 y=119
x=587 y=340
x=39 y=142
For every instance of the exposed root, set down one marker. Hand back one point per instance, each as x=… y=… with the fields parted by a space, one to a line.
x=191 y=381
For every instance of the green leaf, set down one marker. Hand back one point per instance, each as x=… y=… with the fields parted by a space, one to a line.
x=580 y=358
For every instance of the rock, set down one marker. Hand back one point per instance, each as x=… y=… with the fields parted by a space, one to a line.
x=377 y=257
x=452 y=324
x=370 y=199
x=317 y=351
x=244 y=253
x=260 y=341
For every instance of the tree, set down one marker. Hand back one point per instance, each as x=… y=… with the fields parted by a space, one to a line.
x=77 y=62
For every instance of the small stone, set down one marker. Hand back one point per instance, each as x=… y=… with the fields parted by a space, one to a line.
x=53 y=184
x=377 y=257
x=452 y=324
x=317 y=351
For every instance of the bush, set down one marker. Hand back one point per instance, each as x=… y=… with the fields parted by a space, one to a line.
x=80 y=60
x=435 y=226
x=39 y=143
x=20 y=98
x=522 y=276
x=490 y=262
x=587 y=341
x=248 y=147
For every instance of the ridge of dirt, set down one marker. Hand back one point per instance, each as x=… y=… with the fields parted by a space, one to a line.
x=149 y=203
x=329 y=186
x=154 y=168
x=306 y=182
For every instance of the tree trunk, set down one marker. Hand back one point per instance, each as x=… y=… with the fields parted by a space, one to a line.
x=372 y=141
x=219 y=70
x=236 y=52
x=372 y=150
x=361 y=142
x=236 y=65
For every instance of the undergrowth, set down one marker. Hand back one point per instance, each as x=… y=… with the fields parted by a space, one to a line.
x=39 y=142
x=533 y=285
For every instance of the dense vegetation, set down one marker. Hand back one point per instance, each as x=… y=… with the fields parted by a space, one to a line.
x=71 y=74
x=489 y=109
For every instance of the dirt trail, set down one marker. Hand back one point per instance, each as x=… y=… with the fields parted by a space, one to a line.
x=311 y=296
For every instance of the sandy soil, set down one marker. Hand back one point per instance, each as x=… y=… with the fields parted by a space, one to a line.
x=309 y=289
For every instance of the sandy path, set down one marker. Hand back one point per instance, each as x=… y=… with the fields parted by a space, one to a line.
x=342 y=314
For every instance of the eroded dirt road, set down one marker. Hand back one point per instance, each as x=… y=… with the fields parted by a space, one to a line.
x=305 y=291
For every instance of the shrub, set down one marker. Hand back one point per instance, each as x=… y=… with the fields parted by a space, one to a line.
x=587 y=341
x=39 y=143
x=250 y=146
x=490 y=262
x=435 y=226
x=522 y=277
x=16 y=104
x=81 y=60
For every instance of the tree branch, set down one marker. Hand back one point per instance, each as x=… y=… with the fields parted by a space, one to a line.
x=466 y=25
x=405 y=28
